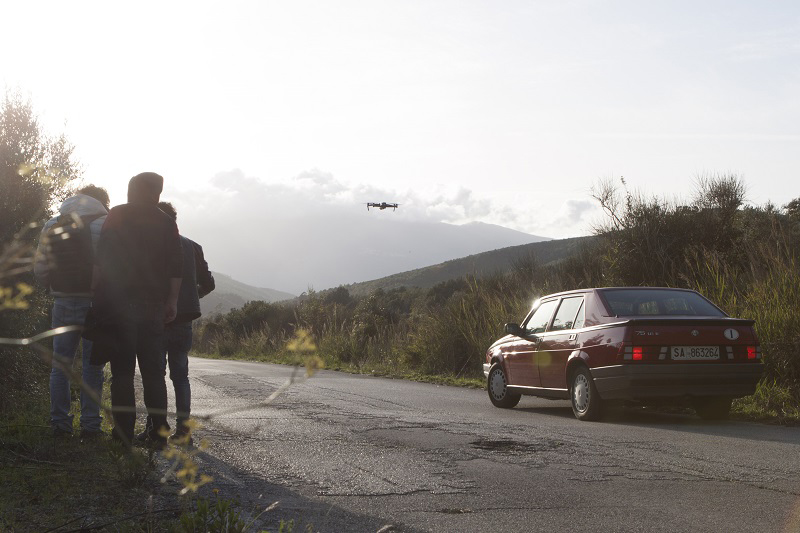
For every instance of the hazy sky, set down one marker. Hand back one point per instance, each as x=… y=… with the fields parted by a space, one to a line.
x=503 y=112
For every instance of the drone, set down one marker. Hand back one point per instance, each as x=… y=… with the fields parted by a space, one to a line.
x=382 y=205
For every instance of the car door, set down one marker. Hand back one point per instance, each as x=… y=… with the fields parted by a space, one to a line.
x=558 y=342
x=521 y=356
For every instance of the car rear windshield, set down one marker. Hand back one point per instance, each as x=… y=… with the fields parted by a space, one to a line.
x=658 y=302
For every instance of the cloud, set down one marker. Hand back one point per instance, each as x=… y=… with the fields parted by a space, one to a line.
x=767 y=45
x=314 y=230
x=576 y=209
x=319 y=194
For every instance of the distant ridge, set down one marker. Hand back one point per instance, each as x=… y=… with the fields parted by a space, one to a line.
x=481 y=264
x=232 y=294
x=322 y=252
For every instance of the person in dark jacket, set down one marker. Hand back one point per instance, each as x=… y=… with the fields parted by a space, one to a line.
x=139 y=268
x=197 y=282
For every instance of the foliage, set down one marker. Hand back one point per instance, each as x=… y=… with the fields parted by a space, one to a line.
x=36 y=171
x=646 y=240
x=222 y=516
x=771 y=402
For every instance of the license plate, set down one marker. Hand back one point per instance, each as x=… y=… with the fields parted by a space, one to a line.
x=694 y=353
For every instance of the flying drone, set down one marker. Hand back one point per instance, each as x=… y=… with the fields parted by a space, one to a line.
x=382 y=205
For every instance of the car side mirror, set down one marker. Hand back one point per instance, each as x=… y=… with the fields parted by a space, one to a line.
x=513 y=329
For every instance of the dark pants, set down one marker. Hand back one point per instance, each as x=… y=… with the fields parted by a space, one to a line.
x=178 y=342
x=175 y=352
x=140 y=336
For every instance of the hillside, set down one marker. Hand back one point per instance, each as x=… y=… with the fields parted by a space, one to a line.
x=232 y=294
x=479 y=264
x=308 y=250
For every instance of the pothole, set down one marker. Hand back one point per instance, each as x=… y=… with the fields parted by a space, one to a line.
x=513 y=446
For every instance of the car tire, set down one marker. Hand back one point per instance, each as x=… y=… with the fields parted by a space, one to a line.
x=586 y=402
x=497 y=387
x=713 y=408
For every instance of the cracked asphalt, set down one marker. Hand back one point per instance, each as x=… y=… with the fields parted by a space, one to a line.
x=347 y=452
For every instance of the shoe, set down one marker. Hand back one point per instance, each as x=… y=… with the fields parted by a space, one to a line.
x=182 y=439
x=145 y=438
x=59 y=432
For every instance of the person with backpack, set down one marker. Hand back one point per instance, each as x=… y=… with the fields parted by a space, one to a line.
x=64 y=263
x=197 y=282
x=139 y=267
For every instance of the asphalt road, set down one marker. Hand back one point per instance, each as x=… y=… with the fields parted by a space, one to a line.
x=357 y=453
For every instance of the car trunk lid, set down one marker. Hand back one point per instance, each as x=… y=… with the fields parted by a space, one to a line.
x=670 y=340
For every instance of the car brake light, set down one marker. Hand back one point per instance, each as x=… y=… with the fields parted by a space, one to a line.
x=634 y=353
x=751 y=352
x=637 y=353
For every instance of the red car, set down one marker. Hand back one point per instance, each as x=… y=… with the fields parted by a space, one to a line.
x=593 y=346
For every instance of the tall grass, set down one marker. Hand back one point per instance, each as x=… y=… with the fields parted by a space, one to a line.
x=768 y=293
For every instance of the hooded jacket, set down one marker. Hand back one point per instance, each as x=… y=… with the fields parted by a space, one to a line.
x=81 y=205
x=197 y=281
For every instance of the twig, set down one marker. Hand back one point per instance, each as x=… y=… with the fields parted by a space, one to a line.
x=271 y=398
x=36 y=338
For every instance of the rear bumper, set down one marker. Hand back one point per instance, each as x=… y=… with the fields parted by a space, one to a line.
x=486 y=367
x=634 y=381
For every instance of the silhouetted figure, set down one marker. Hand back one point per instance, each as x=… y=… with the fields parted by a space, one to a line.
x=64 y=264
x=140 y=265
x=197 y=282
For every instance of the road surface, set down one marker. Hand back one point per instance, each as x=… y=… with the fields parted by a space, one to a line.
x=358 y=453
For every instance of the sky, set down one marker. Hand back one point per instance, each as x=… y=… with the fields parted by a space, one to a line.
x=503 y=112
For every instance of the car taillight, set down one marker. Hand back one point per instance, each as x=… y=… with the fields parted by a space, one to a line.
x=634 y=353
x=752 y=352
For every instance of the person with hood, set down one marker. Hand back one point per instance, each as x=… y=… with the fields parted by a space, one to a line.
x=197 y=282
x=65 y=265
x=139 y=266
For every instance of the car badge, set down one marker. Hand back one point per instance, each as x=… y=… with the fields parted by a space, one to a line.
x=731 y=334
x=695 y=333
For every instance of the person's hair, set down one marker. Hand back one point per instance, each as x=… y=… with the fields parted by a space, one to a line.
x=98 y=193
x=145 y=187
x=169 y=209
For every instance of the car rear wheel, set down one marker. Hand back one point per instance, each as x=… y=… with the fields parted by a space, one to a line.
x=497 y=386
x=586 y=403
x=712 y=408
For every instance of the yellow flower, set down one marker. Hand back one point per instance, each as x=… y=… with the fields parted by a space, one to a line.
x=302 y=342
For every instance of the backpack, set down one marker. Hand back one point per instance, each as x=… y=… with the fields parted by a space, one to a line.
x=69 y=253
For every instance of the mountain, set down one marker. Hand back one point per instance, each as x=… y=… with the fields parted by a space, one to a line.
x=231 y=294
x=485 y=263
x=320 y=252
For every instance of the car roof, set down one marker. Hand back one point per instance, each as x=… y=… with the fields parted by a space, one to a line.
x=595 y=289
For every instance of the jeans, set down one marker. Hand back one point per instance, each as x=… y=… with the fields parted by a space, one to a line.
x=70 y=312
x=177 y=344
x=175 y=351
x=140 y=336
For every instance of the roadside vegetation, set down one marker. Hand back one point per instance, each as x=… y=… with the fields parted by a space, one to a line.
x=742 y=257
